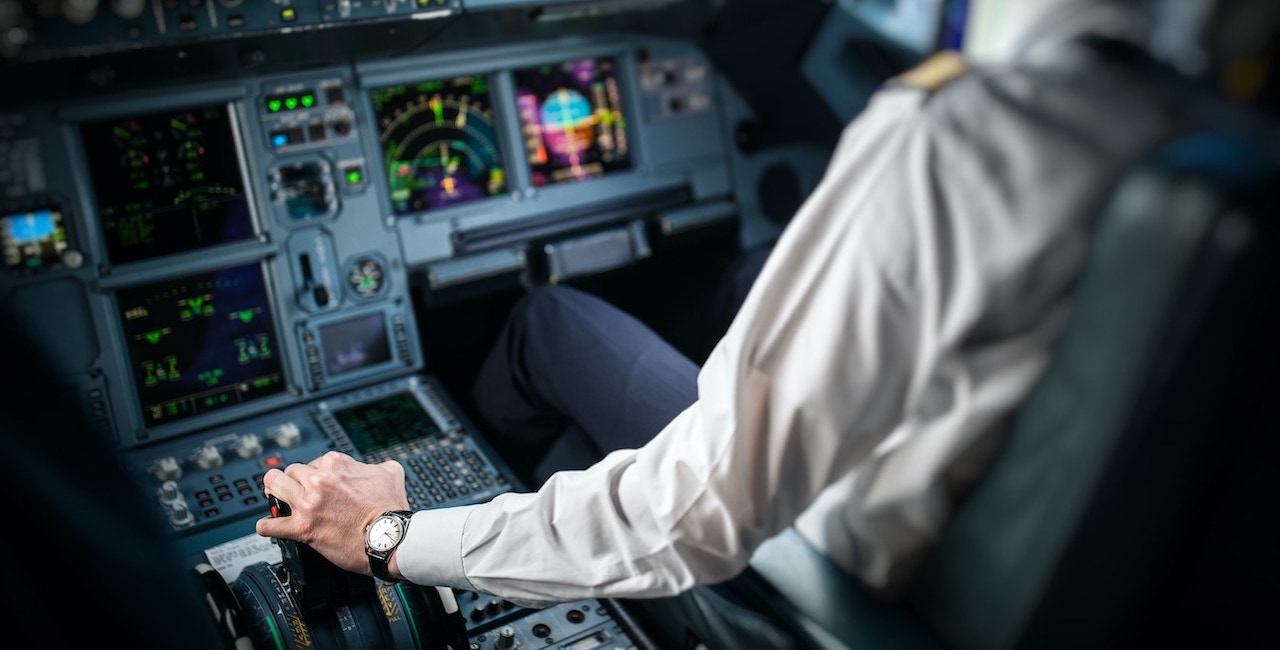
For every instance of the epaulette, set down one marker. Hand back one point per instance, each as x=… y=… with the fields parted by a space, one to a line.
x=935 y=72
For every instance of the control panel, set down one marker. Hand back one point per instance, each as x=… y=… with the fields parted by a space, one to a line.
x=40 y=29
x=217 y=252
x=497 y=624
x=36 y=30
x=211 y=478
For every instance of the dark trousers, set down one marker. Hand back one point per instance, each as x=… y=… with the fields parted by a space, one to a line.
x=571 y=377
x=568 y=358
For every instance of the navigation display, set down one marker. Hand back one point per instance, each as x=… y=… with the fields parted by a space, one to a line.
x=572 y=120
x=167 y=183
x=201 y=343
x=439 y=145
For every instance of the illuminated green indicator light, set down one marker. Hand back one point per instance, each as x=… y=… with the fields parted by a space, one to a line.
x=290 y=102
x=288 y=14
x=308 y=101
x=273 y=105
x=354 y=177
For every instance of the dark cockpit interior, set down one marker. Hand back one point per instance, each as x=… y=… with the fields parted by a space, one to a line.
x=240 y=234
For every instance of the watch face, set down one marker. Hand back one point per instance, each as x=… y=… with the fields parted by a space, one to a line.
x=385 y=533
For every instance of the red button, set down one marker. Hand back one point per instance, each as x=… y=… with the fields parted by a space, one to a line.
x=272 y=461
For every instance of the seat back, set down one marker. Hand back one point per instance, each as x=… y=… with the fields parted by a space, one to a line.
x=1115 y=458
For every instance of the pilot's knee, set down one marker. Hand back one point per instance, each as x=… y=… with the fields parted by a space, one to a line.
x=548 y=304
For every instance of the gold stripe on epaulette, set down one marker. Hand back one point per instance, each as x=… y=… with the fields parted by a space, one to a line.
x=935 y=71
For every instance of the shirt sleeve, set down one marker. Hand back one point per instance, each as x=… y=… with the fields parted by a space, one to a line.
x=811 y=377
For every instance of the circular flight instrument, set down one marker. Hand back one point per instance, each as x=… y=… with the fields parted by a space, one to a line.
x=439 y=144
x=366 y=277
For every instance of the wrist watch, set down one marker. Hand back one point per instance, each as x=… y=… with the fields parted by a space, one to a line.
x=381 y=539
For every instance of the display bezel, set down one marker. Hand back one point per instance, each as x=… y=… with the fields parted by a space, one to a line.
x=478 y=145
x=138 y=213
x=600 y=144
x=339 y=339
x=320 y=340
x=17 y=252
x=264 y=373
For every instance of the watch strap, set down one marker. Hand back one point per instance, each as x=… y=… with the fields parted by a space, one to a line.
x=379 y=560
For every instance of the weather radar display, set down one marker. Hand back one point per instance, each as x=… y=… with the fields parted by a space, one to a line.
x=438 y=143
x=572 y=120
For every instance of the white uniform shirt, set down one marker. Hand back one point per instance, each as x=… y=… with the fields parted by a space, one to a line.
x=903 y=314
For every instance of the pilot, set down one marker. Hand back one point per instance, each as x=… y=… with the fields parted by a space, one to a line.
x=865 y=381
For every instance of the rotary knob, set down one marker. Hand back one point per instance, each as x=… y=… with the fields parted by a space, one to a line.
x=248 y=446
x=209 y=458
x=506 y=638
x=287 y=435
x=169 y=492
x=180 y=514
x=79 y=11
x=167 y=469
x=128 y=8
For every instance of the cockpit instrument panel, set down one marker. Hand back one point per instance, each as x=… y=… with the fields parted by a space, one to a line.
x=167 y=182
x=573 y=121
x=32 y=240
x=439 y=143
x=201 y=343
x=223 y=248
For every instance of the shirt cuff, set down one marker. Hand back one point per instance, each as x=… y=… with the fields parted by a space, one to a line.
x=431 y=553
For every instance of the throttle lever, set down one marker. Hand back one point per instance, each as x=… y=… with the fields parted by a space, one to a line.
x=278 y=508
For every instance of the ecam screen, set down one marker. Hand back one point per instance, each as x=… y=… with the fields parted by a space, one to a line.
x=201 y=343
x=572 y=121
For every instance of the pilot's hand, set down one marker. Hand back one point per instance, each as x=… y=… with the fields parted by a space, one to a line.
x=330 y=503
